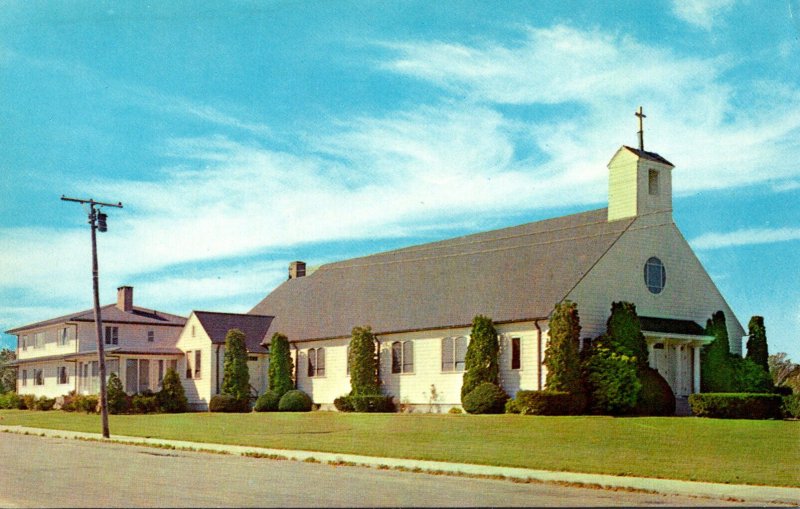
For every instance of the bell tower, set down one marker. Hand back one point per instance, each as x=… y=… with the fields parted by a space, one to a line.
x=639 y=182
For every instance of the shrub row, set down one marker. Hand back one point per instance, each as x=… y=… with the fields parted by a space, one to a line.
x=549 y=403
x=11 y=401
x=486 y=398
x=367 y=404
x=736 y=405
x=270 y=401
x=791 y=406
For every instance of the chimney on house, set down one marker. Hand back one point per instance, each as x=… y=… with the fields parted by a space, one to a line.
x=125 y=298
x=297 y=269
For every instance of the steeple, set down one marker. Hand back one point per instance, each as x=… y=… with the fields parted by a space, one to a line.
x=639 y=182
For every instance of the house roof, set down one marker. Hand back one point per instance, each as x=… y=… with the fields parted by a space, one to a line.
x=254 y=326
x=511 y=274
x=671 y=326
x=111 y=314
x=113 y=351
x=652 y=156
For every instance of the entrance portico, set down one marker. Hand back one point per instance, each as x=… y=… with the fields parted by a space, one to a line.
x=674 y=351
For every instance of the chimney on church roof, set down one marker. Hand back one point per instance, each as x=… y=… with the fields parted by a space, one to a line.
x=125 y=298
x=297 y=269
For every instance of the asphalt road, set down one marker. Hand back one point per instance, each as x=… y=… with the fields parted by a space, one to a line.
x=51 y=472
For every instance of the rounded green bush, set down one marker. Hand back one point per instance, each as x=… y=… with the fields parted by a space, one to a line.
x=656 y=398
x=226 y=403
x=486 y=398
x=267 y=402
x=295 y=401
x=343 y=404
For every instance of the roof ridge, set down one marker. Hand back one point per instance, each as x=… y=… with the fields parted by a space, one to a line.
x=195 y=311
x=507 y=248
x=431 y=245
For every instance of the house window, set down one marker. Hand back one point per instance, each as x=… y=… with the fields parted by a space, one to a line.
x=189 y=364
x=173 y=365
x=403 y=357
x=652 y=182
x=655 y=275
x=454 y=351
x=193 y=331
x=144 y=375
x=38 y=377
x=112 y=335
x=131 y=376
x=24 y=377
x=63 y=336
x=151 y=336
x=515 y=353
x=160 y=371
x=347 y=361
x=197 y=366
x=24 y=342
x=38 y=340
x=316 y=362
x=63 y=377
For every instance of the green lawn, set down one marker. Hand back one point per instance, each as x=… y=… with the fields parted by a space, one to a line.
x=730 y=451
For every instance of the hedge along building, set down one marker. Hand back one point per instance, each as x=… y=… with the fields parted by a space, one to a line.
x=420 y=300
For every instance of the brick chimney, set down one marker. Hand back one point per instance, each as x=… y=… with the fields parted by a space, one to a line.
x=125 y=298
x=297 y=269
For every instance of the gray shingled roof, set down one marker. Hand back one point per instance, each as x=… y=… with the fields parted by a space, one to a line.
x=511 y=274
x=111 y=314
x=648 y=155
x=254 y=326
x=671 y=326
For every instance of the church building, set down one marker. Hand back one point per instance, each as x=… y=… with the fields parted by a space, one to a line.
x=420 y=300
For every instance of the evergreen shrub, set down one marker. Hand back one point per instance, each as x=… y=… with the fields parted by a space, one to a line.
x=372 y=403
x=511 y=406
x=480 y=363
x=145 y=403
x=117 y=400
x=89 y=404
x=757 y=350
x=10 y=401
x=624 y=333
x=172 y=397
x=549 y=403
x=29 y=402
x=486 y=398
x=295 y=401
x=343 y=404
x=656 y=398
x=562 y=358
x=783 y=390
x=281 y=365
x=612 y=381
x=717 y=373
x=791 y=406
x=226 y=403
x=267 y=402
x=44 y=403
x=736 y=405
x=456 y=411
x=749 y=376
x=363 y=362
x=236 y=377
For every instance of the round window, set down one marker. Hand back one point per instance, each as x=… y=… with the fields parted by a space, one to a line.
x=655 y=276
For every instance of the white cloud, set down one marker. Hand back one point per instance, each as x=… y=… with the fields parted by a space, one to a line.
x=745 y=237
x=703 y=14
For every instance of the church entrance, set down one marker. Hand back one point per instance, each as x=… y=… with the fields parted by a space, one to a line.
x=678 y=361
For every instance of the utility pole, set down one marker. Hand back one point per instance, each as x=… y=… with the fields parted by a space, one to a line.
x=97 y=221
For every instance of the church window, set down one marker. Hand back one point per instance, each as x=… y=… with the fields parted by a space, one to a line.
x=316 y=362
x=454 y=352
x=655 y=275
x=403 y=357
x=515 y=353
x=653 y=182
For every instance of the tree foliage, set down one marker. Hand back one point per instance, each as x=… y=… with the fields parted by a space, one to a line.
x=716 y=367
x=115 y=395
x=363 y=362
x=613 y=382
x=8 y=375
x=236 y=378
x=757 y=350
x=562 y=357
x=481 y=363
x=281 y=366
x=784 y=372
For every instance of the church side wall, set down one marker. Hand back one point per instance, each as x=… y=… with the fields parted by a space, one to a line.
x=428 y=387
x=689 y=293
x=198 y=390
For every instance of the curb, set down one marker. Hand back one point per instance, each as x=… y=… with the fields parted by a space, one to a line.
x=743 y=492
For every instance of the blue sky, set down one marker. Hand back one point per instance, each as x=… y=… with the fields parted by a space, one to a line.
x=243 y=135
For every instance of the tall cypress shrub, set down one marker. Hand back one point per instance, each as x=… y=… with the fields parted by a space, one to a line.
x=281 y=366
x=757 y=350
x=363 y=362
x=481 y=360
x=716 y=367
x=624 y=333
x=172 y=397
x=236 y=380
x=562 y=357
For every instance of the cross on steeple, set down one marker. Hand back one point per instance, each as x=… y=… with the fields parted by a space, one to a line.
x=641 y=128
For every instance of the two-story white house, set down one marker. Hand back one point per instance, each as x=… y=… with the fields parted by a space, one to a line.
x=59 y=355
